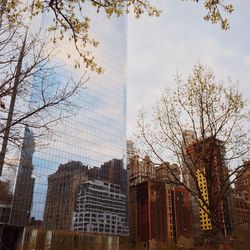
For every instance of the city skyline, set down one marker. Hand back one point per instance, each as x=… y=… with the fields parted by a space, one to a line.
x=87 y=182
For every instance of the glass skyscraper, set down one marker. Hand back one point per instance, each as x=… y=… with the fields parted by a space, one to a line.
x=93 y=135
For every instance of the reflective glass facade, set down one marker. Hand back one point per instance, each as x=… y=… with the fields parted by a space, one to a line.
x=93 y=135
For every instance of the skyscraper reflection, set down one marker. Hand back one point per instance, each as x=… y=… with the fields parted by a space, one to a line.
x=23 y=195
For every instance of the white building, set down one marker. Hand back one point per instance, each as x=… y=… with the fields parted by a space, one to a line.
x=100 y=208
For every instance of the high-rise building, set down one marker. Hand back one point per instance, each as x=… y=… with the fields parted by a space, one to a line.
x=169 y=173
x=113 y=172
x=182 y=212
x=159 y=212
x=23 y=194
x=100 y=208
x=73 y=187
x=204 y=166
x=143 y=170
x=94 y=133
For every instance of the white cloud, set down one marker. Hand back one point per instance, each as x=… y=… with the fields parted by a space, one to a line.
x=157 y=47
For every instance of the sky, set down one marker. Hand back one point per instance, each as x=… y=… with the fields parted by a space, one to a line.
x=175 y=41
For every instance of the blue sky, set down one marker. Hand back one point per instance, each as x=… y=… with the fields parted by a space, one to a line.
x=179 y=38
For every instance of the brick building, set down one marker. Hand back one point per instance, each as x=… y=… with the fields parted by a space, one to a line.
x=241 y=196
x=241 y=210
x=182 y=212
x=159 y=210
x=242 y=183
x=140 y=171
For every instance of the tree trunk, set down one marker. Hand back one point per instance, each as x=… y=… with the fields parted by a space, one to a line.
x=12 y=104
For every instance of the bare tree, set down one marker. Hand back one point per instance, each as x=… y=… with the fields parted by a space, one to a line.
x=30 y=93
x=202 y=126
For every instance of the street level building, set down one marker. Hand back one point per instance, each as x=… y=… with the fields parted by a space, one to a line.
x=5 y=203
x=4 y=213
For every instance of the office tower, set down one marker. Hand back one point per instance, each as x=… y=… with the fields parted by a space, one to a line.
x=95 y=133
x=91 y=134
x=100 y=208
x=61 y=195
x=23 y=195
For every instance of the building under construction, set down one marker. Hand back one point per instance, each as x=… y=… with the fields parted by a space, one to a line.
x=206 y=174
